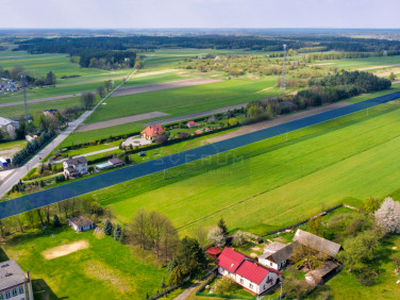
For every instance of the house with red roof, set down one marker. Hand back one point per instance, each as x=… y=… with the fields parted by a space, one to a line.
x=191 y=124
x=152 y=131
x=246 y=272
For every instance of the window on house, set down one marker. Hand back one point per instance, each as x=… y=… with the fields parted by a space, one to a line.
x=15 y=292
x=270 y=264
x=241 y=280
x=251 y=286
x=21 y=289
x=8 y=295
x=1 y=297
x=264 y=286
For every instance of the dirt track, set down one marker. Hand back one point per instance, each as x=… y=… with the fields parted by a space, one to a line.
x=38 y=100
x=162 y=86
x=274 y=122
x=65 y=249
x=119 y=121
x=378 y=67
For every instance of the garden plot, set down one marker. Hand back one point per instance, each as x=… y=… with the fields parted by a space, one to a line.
x=65 y=249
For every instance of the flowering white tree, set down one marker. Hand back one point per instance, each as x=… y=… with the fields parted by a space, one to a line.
x=388 y=215
x=217 y=237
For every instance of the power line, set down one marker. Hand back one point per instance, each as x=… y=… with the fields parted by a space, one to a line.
x=283 y=80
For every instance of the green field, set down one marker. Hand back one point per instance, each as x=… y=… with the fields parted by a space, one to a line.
x=293 y=178
x=105 y=270
x=185 y=100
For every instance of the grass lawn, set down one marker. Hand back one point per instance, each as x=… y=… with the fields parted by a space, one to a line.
x=8 y=149
x=105 y=270
x=342 y=161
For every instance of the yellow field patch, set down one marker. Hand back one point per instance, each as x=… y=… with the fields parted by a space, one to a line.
x=99 y=271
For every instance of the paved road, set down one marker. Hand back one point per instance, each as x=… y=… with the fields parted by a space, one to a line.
x=84 y=186
x=19 y=173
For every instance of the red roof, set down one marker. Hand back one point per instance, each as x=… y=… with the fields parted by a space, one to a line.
x=153 y=130
x=252 y=271
x=213 y=251
x=230 y=260
x=191 y=123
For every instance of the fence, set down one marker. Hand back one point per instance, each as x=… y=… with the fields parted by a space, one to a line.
x=169 y=289
x=304 y=221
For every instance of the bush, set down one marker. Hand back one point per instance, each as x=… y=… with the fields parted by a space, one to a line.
x=107 y=227
x=367 y=277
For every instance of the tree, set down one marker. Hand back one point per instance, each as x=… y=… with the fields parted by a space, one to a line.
x=118 y=233
x=101 y=90
x=56 y=221
x=190 y=256
x=87 y=100
x=177 y=276
x=232 y=122
x=371 y=205
x=221 y=224
x=107 y=227
x=314 y=225
x=392 y=76
x=217 y=237
x=388 y=215
x=108 y=85
x=50 y=79
x=239 y=239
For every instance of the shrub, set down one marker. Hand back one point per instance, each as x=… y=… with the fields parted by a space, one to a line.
x=107 y=227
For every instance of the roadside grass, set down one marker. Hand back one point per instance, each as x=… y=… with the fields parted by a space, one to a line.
x=110 y=269
x=7 y=149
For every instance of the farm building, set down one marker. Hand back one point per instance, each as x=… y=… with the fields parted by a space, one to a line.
x=14 y=283
x=81 y=223
x=246 y=272
x=75 y=167
x=316 y=243
x=112 y=163
x=10 y=126
x=276 y=255
x=50 y=112
x=322 y=273
x=213 y=252
x=152 y=131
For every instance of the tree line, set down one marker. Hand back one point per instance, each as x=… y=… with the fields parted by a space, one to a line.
x=30 y=80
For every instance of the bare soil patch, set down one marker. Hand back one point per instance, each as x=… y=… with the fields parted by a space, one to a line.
x=255 y=248
x=253 y=255
x=133 y=90
x=65 y=249
x=97 y=270
x=378 y=67
x=119 y=121
x=274 y=122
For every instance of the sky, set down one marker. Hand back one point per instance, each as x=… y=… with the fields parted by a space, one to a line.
x=115 y=14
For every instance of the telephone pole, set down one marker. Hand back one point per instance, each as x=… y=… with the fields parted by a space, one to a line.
x=25 y=103
x=283 y=80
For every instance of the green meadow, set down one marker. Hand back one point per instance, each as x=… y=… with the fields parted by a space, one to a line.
x=105 y=270
x=271 y=184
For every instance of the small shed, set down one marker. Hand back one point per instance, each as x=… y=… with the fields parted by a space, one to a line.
x=191 y=124
x=322 y=273
x=213 y=252
x=116 y=162
x=81 y=223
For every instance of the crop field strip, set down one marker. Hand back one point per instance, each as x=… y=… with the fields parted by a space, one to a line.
x=84 y=186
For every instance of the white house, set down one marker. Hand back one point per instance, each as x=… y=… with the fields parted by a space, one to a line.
x=9 y=125
x=81 y=223
x=75 y=167
x=14 y=283
x=276 y=255
x=246 y=272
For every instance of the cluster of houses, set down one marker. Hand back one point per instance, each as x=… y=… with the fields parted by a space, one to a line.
x=78 y=166
x=8 y=87
x=261 y=275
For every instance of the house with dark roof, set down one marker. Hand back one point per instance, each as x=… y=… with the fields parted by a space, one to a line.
x=276 y=255
x=246 y=272
x=316 y=243
x=81 y=223
x=75 y=167
x=14 y=283
x=152 y=131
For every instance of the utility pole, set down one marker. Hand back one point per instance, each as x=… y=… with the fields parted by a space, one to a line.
x=25 y=103
x=283 y=80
